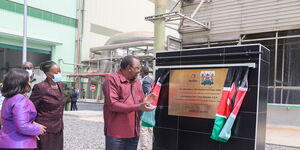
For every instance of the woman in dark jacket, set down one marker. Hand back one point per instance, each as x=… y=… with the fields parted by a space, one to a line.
x=48 y=98
x=18 y=113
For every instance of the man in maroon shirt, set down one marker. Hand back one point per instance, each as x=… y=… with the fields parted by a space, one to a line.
x=124 y=99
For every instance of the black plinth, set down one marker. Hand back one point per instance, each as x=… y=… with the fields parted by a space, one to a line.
x=188 y=133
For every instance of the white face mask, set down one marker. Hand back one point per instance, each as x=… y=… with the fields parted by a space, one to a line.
x=139 y=76
x=57 y=77
x=30 y=72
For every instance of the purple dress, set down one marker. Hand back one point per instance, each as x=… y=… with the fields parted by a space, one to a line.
x=18 y=130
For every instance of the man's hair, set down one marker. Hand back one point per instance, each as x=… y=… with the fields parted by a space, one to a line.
x=45 y=66
x=127 y=61
x=15 y=82
x=145 y=70
x=27 y=65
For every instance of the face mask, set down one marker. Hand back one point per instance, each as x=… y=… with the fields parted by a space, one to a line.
x=30 y=72
x=57 y=77
x=139 y=76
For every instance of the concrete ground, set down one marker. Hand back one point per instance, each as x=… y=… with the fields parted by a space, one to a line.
x=83 y=130
x=283 y=135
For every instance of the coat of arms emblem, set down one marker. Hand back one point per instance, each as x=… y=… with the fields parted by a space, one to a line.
x=207 y=78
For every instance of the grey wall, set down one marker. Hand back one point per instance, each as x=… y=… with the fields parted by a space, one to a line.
x=230 y=18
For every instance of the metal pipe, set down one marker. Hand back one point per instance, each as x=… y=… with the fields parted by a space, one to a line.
x=174 y=19
x=100 y=88
x=130 y=37
x=284 y=105
x=89 y=75
x=24 y=54
x=123 y=45
x=198 y=7
x=250 y=65
x=289 y=78
x=79 y=40
x=82 y=18
x=286 y=87
x=211 y=55
x=193 y=20
x=275 y=67
x=161 y=15
x=79 y=87
x=71 y=63
x=272 y=38
x=282 y=70
x=191 y=30
x=78 y=35
x=175 y=6
x=241 y=39
x=122 y=40
x=119 y=40
x=88 y=86
x=150 y=57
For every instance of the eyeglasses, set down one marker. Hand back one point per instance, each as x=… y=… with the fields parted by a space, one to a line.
x=137 y=68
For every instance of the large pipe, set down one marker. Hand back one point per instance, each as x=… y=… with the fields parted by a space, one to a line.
x=78 y=44
x=159 y=26
x=129 y=37
x=141 y=57
x=122 y=45
x=121 y=40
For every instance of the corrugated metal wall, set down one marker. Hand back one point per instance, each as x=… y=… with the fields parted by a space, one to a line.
x=231 y=18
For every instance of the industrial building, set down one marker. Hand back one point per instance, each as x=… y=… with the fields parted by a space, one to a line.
x=52 y=29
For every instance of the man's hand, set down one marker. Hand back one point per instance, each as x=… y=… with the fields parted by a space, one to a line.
x=146 y=107
x=149 y=98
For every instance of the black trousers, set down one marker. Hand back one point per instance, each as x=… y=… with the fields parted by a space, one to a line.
x=112 y=143
x=74 y=106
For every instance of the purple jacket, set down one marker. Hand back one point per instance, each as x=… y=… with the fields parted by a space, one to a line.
x=18 y=131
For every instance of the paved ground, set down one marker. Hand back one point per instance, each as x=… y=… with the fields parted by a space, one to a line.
x=83 y=130
x=90 y=106
x=279 y=147
x=283 y=135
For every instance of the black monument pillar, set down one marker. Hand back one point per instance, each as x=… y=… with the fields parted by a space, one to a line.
x=173 y=132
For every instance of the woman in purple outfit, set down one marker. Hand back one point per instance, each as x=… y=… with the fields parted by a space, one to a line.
x=18 y=113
